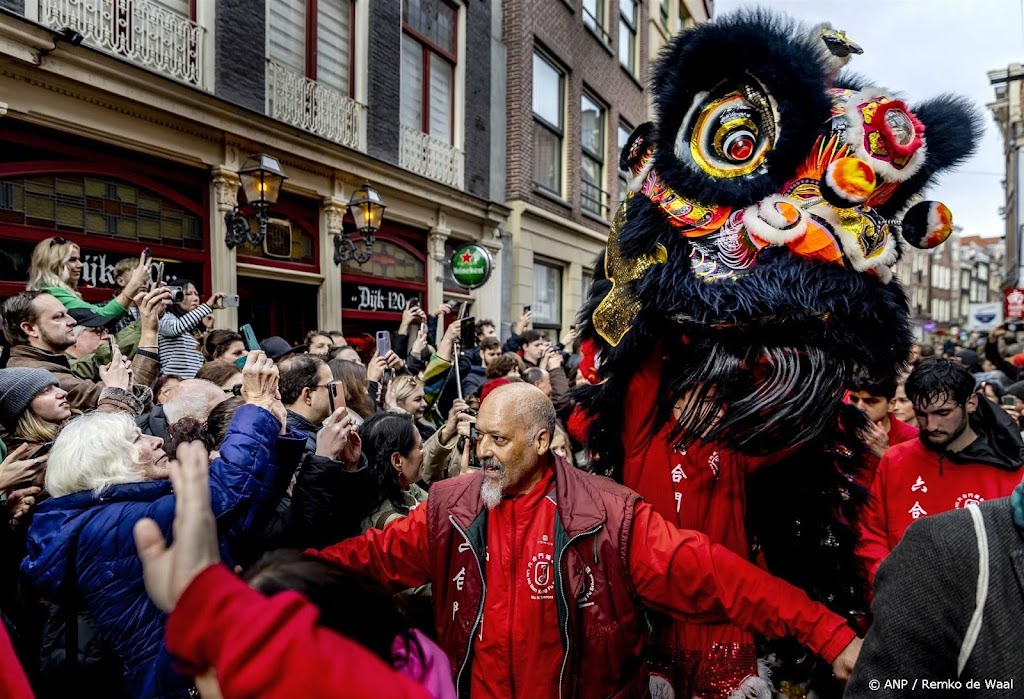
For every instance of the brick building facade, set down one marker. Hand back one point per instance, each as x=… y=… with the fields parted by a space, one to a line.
x=575 y=90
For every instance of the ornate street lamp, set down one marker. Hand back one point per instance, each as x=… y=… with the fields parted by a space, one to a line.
x=367 y=210
x=261 y=178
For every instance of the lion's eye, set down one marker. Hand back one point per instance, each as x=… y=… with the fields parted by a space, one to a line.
x=728 y=138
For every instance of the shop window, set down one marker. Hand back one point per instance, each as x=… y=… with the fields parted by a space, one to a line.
x=97 y=206
x=390 y=261
x=547 y=298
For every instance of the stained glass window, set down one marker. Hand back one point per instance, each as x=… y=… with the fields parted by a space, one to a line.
x=98 y=206
x=389 y=261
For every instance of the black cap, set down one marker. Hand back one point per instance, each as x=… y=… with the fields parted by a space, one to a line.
x=277 y=347
x=91 y=319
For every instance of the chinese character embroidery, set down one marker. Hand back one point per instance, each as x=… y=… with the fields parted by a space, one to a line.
x=460 y=579
x=916 y=511
x=919 y=485
x=713 y=463
x=678 y=474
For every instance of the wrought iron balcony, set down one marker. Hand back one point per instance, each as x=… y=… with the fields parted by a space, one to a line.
x=145 y=33
x=431 y=158
x=315 y=107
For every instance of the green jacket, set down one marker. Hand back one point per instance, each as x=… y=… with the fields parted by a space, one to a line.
x=411 y=497
x=88 y=367
x=111 y=309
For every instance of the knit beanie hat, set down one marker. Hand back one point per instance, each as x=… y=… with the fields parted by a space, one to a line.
x=17 y=389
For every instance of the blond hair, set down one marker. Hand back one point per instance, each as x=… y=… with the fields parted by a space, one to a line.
x=49 y=267
x=404 y=386
x=34 y=429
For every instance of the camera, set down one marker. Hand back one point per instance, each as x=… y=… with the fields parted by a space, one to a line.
x=231 y=301
x=177 y=293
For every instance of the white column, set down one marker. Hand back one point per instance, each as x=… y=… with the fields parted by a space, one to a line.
x=223 y=262
x=329 y=315
x=435 y=271
x=488 y=297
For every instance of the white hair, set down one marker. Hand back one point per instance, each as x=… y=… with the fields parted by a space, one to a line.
x=93 y=452
x=193 y=398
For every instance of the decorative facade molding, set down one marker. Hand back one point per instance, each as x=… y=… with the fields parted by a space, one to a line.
x=225 y=185
x=334 y=215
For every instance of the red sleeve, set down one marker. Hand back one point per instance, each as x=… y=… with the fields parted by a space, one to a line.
x=873 y=546
x=271 y=646
x=13 y=682
x=680 y=572
x=641 y=407
x=397 y=555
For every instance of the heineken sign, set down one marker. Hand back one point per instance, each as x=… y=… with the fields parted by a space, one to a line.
x=471 y=266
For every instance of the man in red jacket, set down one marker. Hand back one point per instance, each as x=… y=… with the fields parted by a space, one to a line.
x=969 y=451
x=876 y=399
x=539 y=570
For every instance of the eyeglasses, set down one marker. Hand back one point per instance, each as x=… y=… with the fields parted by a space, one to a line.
x=57 y=241
x=235 y=390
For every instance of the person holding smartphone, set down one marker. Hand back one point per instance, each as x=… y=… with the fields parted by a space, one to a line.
x=876 y=399
x=179 y=329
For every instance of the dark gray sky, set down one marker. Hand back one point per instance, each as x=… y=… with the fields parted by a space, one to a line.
x=922 y=48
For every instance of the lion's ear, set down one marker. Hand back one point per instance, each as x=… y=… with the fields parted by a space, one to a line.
x=640 y=144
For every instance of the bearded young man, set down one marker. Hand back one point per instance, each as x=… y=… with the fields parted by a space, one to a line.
x=540 y=571
x=968 y=451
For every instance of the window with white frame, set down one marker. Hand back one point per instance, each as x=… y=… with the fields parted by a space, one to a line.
x=548 y=123
x=624 y=133
x=594 y=16
x=627 y=34
x=593 y=197
x=429 y=55
x=547 y=298
x=320 y=50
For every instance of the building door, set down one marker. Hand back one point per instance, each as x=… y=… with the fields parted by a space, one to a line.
x=279 y=308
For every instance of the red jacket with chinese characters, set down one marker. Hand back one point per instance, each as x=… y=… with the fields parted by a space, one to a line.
x=913 y=481
x=521 y=618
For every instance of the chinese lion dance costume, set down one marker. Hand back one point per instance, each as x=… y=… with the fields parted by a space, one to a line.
x=746 y=275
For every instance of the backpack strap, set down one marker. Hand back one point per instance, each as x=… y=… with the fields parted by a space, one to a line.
x=981 y=595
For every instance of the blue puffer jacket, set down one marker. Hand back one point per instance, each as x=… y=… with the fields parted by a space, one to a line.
x=89 y=538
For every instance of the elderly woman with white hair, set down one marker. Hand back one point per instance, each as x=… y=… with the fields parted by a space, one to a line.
x=104 y=475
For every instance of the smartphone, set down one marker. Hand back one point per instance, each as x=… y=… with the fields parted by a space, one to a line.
x=231 y=301
x=249 y=338
x=383 y=343
x=1012 y=327
x=43 y=449
x=147 y=254
x=156 y=275
x=451 y=304
x=412 y=303
x=111 y=344
x=467 y=337
x=527 y=309
x=332 y=394
x=1008 y=400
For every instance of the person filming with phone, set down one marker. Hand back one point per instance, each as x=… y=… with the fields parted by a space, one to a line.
x=182 y=326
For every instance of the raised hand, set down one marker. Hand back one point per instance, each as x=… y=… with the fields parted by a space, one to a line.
x=167 y=571
x=18 y=469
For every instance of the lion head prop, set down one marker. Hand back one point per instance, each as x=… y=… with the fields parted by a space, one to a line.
x=771 y=198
